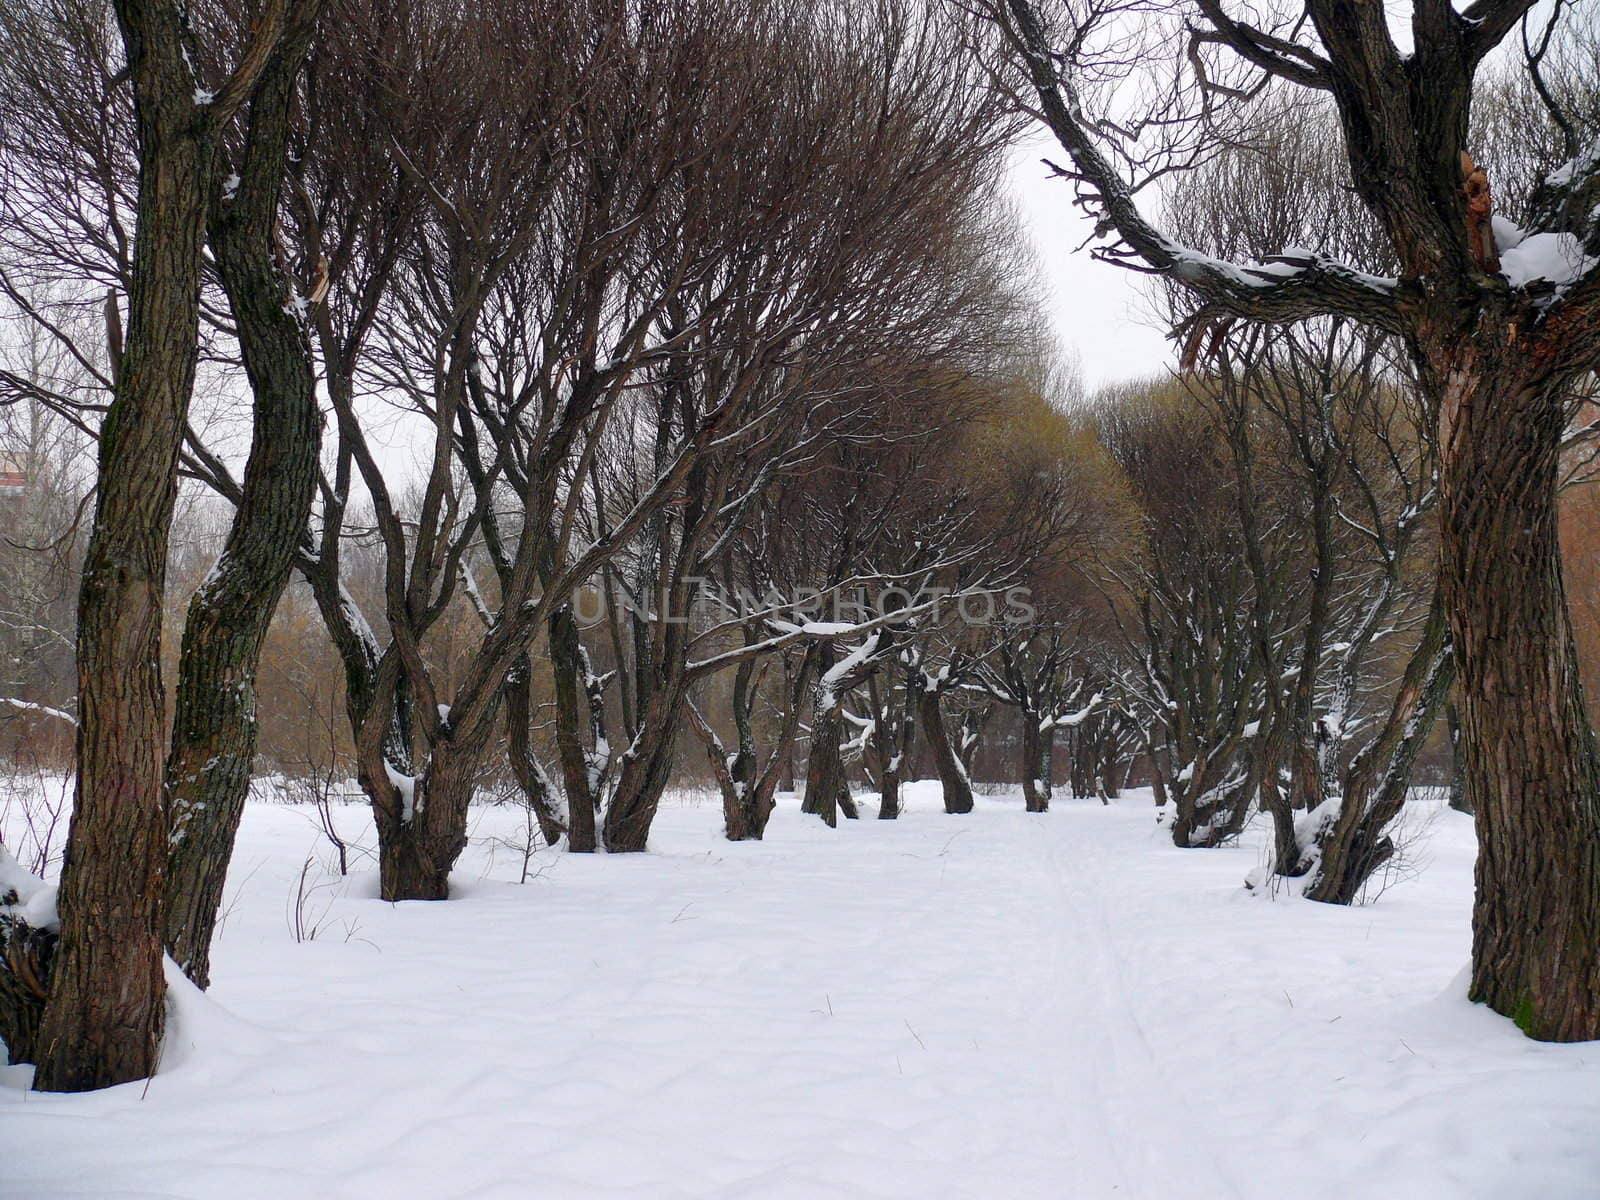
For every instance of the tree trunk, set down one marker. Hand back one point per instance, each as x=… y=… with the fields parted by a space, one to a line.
x=566 y=664
x=792 y=692
x=972 y=722
x=103 y=1020
x=1354 y=844
x=1213 y=814
x=1035 y=763
x=646 y=771
x=1530 y=765
x=417 y=849
x=825 y=771
x=953 y=778
x=748 y=795
x=538 y=792
x=847 y=802
x=895 y=749
x=214 y=730
x=889 y=792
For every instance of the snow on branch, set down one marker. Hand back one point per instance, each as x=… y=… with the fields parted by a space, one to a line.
x=1298 y=285
x=43 y=710
x=1072 y=719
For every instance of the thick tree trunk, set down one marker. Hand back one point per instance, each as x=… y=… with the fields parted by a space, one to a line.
x=408 y=869
x=214 y=730
x=952 y=776
x=103 y=1020
x=1529 y=756
x=1036 y=765
x=420 y=839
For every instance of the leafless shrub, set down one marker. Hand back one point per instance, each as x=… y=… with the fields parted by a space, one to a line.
x=310 y=909
x=34 y=807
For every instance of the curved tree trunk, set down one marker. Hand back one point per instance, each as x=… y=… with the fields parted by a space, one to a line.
x=1530 y=765
x=646 y=771
x=214 y=728
x=1353 y=844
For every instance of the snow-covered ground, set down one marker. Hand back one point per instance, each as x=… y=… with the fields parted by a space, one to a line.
x=998 y=1005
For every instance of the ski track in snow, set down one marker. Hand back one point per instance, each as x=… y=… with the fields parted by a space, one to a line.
x=997 y=1005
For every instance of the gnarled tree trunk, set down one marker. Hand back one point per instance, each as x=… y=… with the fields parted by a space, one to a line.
x=421 y=835
x=1528 y=752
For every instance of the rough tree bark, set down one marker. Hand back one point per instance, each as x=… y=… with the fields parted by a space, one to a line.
x=421 y=835
x=1531 y=770
x=826 y=777
x=214 y=727
x=103 y=1020
x=25 y=956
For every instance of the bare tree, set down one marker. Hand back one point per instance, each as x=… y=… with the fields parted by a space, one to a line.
x=1497 y=334
x=102 y=1021
x=1183 y=601
x=213 y=743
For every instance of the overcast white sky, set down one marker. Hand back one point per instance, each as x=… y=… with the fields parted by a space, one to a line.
x=1097 y=307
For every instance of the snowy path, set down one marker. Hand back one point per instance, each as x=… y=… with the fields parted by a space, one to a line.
x=1001 y=1005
